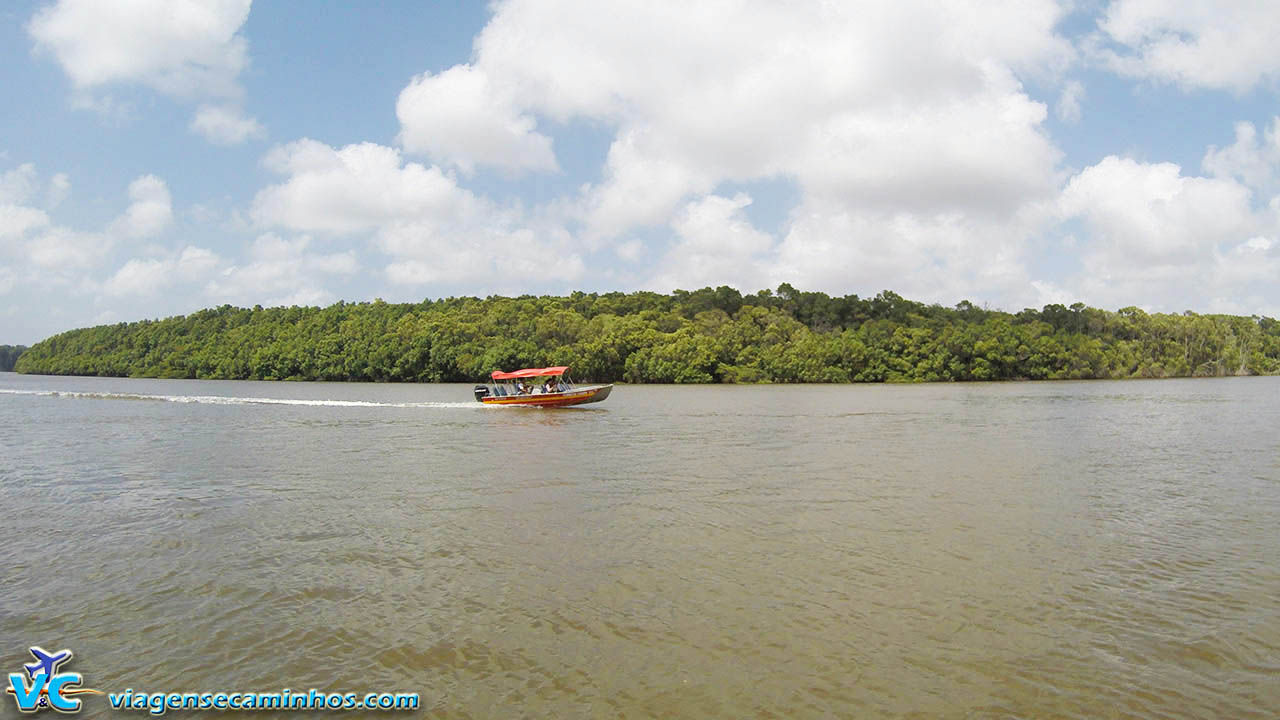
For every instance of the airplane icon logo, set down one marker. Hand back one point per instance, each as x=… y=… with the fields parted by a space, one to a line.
x=47 y=664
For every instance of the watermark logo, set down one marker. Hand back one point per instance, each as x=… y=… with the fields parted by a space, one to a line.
x=44 y=687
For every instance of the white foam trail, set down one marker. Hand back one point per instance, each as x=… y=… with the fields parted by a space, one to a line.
x=229 y=400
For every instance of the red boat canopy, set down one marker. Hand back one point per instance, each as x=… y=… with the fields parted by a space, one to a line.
x=530 y=372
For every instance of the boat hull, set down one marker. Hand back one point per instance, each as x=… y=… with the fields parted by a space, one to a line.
x=577 y=396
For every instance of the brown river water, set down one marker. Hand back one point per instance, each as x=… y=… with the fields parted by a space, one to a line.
x=1016 y=550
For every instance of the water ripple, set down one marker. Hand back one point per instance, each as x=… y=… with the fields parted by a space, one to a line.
x=1056 y=550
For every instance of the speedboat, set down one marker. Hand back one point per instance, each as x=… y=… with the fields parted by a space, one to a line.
x=539 y=387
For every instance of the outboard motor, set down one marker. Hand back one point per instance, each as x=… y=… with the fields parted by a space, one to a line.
x=482 y=391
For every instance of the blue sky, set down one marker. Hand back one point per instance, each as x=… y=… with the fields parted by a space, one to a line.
x=161 y=156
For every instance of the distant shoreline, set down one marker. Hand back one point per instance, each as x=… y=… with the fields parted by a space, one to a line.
x=468 y=383
x=713 y=335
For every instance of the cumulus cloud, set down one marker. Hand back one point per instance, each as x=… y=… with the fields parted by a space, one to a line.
x=919 y=159
x=1149 y=215
x=148 y=276
x=937 y=257
x=892 y=120
x=59 y=188
x=1253 y=160
x=149 y=213
x=1166 y=239
x=59 y=250
x=18 y=186
x=434 y=230
x=1068 y=107
x=57 y=253
x=186 y=49
x=225 y=125
x=42 y=253
x=71 y=276
x=138 y=277
x=357 y=188
x=17 y=220
x=644 y=184
x=175 y=46
x=854 y=98
x=1254 y=262
x=29 y=238
x=715 y=245
x=1193 y=44
x=984 y=155
x=459 y=117
x=281 y=271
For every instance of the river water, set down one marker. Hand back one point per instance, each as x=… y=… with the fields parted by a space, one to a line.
x=1020 y=550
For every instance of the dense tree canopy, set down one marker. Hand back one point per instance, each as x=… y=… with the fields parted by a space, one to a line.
x=9 y=356
x=707 y=335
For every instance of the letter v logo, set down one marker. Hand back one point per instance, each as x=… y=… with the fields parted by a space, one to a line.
x=28 y=697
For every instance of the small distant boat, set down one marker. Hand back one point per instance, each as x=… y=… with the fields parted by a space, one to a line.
x=548 y=387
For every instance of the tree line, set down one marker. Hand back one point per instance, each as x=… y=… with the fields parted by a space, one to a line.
x=9 y=356
x=701 y=336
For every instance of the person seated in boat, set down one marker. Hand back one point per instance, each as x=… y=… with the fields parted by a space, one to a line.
x=550 y=387
x=521 y=388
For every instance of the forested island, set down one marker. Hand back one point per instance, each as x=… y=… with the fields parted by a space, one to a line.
x=703 y=336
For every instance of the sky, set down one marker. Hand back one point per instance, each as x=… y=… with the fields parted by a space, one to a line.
x=162 y=156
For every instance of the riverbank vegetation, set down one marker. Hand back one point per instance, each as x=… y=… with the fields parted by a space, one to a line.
x=703 y=336
x=9 y=356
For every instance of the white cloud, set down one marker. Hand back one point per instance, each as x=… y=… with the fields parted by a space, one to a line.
x=148 y=276
x=179 y=47
x=1252 y=160
x=110 y=108
x=1150 y=215
x=715 y=245
x=1049 y=293
x=458 y=117
x=18 y=186
x=939 y=257
x=187 y=49
x=434 y=231
x=983 y=154
x=630 y=250
x=281 y=272
x=138 y=277
x=60 y=250
x=1068 y=107
x=1167 y=240
x=868 y=97
x=70 y=276
x=1255 y=261
x=44 y=253
x=358 y=188
x=149 y=214
x=224 y=125
x=17 y=220
x=59 y=188
x=493 y=257
x=28 y=236
x=908 y=118
x=1193 y=43
x=643 y=186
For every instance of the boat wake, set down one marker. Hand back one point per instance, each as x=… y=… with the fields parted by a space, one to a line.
x=230 y=400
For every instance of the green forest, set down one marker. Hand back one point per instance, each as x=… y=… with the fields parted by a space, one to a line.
x=702 y=336
x=9 y=356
